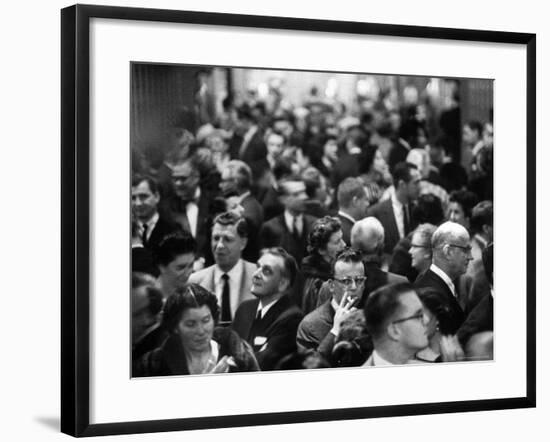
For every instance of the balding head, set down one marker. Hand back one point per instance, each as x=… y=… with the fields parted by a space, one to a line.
x=451 y=249
x=367 y=235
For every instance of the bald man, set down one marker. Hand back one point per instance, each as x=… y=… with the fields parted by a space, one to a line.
x=367 y=236
x=452 y=253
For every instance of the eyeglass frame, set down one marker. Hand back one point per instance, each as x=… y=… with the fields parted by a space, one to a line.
x=467 y=249
x=341 y=280
x=421 y=316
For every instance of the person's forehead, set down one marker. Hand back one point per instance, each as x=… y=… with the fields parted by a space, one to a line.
x=196 y=312
x=344 y=269
x=275 y=138
x=269 y=260
x=295 y=186
x=183 y=169
x=410 y=302
x=184 y=258
x=220 y=229
x=142 y=187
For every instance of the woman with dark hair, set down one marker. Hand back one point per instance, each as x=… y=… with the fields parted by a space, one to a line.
x=375 y=174
x=459 y=210
x=441 y=328
x=324 y=243
x=194 y=344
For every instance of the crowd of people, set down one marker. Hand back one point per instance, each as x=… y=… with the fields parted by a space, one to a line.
x=278 y=238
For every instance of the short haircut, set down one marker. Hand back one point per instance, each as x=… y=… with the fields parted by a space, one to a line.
x=320 y=234
x=190 y=295
x=402 y=172
x=367 y=235
x=449 y=322
x=244 y=112
x=283 y=189
x=174 y=245
x=233 y=219
x=242 y=173
x=425 y=232
x=290 y=268
x=446 y=233
x=466 y=199
x=312 y=179
x=137 y=179
x=428 y=209
x=482 y=215
x=282 y=169
x=348 y=255
x=348 y=189
x=382 y=304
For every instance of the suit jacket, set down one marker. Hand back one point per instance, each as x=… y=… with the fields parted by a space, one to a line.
x=346 y=166
x=252 y=152
x=275 y=233
x=383 y=211
x=205 y=278
x=347 y=225
x=272 y=337
x=254 y=215
x=376 y=278
x=271 y=204
x=314 y=328
x=453 y=311
x=163 y=227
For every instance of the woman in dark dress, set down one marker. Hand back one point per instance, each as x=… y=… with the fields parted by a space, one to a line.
x=195 y=345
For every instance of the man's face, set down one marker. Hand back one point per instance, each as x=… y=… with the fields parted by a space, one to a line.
x=227 y=246
x=410 y=319
x=361 y=205
x=294 y=196
x=228 y=183
x=420 y=252
x=185 y=180
x=331 y=150
x=455 y=213
x=144 y=201
x=349 y=277
x=177 y=271
x=469 y=136
x=460 y=254
x=267 y=278
x=413 y=186
x=275 y=145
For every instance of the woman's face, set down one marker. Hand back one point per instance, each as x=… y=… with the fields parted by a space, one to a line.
x=331 y=150
x=334 y=246
x=196 y=328
x=420 y=253
x=455 y=213
x=379 y=163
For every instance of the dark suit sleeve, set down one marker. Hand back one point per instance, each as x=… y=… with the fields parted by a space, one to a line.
x=269 y=237
x=282 y=340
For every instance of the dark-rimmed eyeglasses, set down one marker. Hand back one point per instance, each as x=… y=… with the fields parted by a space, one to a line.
x=467 y=249
x=348 y=282
x=419 y=316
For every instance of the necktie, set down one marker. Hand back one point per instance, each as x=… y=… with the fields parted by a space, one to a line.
x=406 y=219
x=226 y=307
x=295 y=229
x=144 y=234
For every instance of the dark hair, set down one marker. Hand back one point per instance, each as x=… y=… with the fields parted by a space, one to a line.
x=349 y=188
x=189 y=295
x=466 y=199
x=448 y=321
x=487 y=259
x=290 y=268
x=232 y=219
x=381 y=304
x=348 y=255
x=367 y=159
x=242 y=173
x=320 y=234
x=282 y=169
x=312 y=179
x=153 y=294
x=428 y=209
x=244 y=112
x=137 y=179
x=402 y=172
x=476 y=126
x=174 y=245
x=482 y=215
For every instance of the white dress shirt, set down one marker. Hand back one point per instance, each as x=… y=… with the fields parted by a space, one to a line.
x=151 y=223
x=289 y=220
x=345 y=215
x=378 y=360
x=235 y=279
x=265 y=309
x=398 y=212
x=444 y=277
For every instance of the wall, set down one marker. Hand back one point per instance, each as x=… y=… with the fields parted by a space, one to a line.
x=30 y=221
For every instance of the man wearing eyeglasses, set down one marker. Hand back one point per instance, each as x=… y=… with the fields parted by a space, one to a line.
x=396 y=321
x=451 y=254
x=320 y=328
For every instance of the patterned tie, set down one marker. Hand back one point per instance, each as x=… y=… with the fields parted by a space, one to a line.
x=226 y=306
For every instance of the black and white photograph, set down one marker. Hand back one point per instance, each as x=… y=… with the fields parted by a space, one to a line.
x=301 y=220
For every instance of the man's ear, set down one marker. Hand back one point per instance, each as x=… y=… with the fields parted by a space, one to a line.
x=284 y=285
x=244 y=243
x=393 y=331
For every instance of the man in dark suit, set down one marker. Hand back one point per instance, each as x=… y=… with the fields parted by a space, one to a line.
x=367 y=236
x=236 y=186
x=230 y=278
x=151 y=227
x=348 y=163
x=395 y=213
x=191 y=206
x=248 y=142
x=290 y=229
x=269 y=323
x=451 y=254
x=353 y=203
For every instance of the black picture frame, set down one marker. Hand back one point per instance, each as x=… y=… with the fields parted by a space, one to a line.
x=75 y=212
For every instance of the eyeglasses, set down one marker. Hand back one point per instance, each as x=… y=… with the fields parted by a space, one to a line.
x=420 y=246
x=348 y=282
x=467 y=249
x=419 y=316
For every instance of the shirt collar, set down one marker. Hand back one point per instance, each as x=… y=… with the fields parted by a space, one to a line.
x=379 y=360
x=152 y=222
x=265 y=309
x=345 y=215
x=395 y=202
x=289 y=218
x=233 y=274
x=239 y=199
x=444 y=277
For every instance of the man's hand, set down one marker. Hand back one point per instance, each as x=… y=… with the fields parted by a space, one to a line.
x=345 y=308
x=450 y=348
